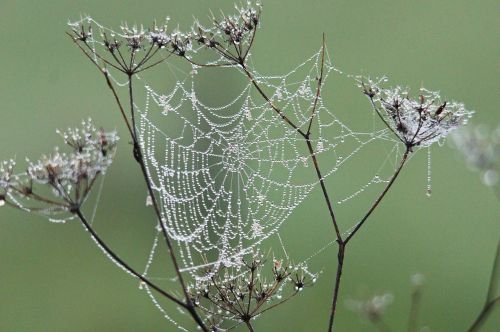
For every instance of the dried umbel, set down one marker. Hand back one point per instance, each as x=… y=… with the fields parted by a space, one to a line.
x=133 y=49
x=69 y=176
x=416 y=122
x=230 y=37
x=238 y=295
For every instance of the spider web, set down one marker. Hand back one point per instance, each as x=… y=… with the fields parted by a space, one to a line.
x=229 y=176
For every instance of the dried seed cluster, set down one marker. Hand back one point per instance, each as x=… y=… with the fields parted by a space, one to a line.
x=136 y=48
x=244 y=293
x=69 y=176
x=417 y=122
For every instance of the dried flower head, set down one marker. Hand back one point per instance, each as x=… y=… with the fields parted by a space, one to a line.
x=69 y=175
x=231 y=36
x=129 y=50
x=416 y=122
x=241 y=293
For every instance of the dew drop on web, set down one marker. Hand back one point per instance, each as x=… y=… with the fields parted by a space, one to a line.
x=429 y=174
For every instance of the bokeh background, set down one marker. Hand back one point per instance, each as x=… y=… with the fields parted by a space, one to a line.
x=53 y=278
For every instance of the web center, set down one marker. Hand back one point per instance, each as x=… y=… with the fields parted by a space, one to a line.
x=233 y=157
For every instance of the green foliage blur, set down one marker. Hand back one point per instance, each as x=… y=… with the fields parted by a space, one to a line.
x=53 y=278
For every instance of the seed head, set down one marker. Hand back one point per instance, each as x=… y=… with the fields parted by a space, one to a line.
x=417 y=122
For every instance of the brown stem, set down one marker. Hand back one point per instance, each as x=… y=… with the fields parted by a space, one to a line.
x=318 y=89
x=381 y=196
x=485 y=312
x=189 y=306
x=140 y=159
x=342 y=245
x=325 y=192
x=340 y=266
x=250 y=327
x=122 y=263
x=491 y=300
x=264 y=95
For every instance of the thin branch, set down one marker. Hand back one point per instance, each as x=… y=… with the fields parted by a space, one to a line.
x=276 y=109
x=276 y=304
x=325 y=192
x=122 y=263
x=381 y=196
x=491 y=300
x=108 y=81
x=342 y=245
x=340 y=266
x=140 y=159
x=137 y=70
x=318 y=90
x=375 y=108
x=249 y=326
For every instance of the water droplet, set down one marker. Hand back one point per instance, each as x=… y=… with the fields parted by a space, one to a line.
x=429 y=174
x=2 y=202
x=149 y=200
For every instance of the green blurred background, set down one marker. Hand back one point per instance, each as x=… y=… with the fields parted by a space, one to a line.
x=53 y=278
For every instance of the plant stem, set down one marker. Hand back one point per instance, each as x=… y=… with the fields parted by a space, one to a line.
x=404 y=159
x=491 y=300
x=140 y=160
x=343 y=244
x=485 y=312
x=250 y=327
x=325 y=192
x=340 y=265
x=268 y=100
x=122 y=263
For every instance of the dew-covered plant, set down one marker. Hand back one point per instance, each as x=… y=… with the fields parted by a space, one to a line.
x=61 y=182
x=215 y=182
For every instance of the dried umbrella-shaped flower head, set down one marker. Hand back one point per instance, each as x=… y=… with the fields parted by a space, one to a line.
x=130 y=50
x=416 y=122
x=231 y=37
x=68 y=176
x=240 y=294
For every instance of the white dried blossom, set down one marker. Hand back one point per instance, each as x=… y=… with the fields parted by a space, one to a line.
x=417 y=122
